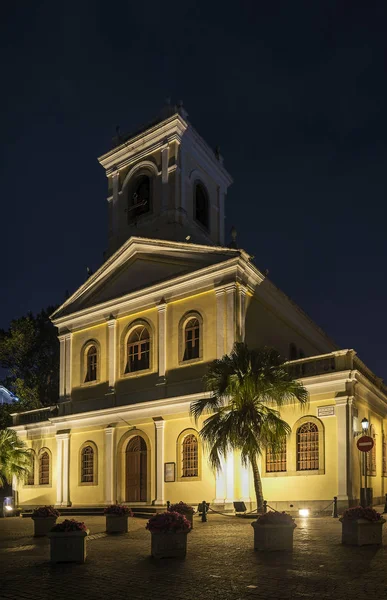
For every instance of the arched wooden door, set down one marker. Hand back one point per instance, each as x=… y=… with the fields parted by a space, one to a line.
x=135 y=469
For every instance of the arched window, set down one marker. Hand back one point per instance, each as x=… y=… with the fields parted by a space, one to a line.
x=192 y=339
x=91 y=364
x=308 y=447
x=30 y=480
x=87 y=464
x=138 y=350
x=190 y=456
x=201 y=205
x=371 y=456
x=292 y=352
x=44 y=468
x=139 y=197
x=276 y=461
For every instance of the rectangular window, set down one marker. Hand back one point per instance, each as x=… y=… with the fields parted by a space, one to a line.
x=276 y=462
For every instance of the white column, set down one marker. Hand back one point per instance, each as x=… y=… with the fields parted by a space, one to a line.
x=230 y=317
x=109 y=465
x=220 y=484
x=114 y=209
x=242 y=313
x=62 y=365
x=68 y=337
x=162 y=312
x=220 y=318
x=159 y=427
x=245 y=482
x=59 y=469
x=112 y=327
x=66 y=469
x=230 y=477
x=164 y=176
x=342 y=448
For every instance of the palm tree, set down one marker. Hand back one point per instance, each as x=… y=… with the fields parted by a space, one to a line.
x=15 y=459
x=247 y=389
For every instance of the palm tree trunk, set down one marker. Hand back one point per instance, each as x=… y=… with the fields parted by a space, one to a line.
x=257 y=483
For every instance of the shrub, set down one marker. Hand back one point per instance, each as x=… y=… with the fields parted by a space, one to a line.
x=276 y=518
x=358 y=512
x=168 y=522
x=181 y=507
x=45 y=511
x=69 y=525
x=118 y=509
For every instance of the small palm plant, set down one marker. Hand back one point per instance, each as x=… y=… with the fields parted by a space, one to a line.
x=247 y=388
x=15 y=459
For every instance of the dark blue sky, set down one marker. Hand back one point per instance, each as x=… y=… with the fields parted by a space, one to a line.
x=294 y=93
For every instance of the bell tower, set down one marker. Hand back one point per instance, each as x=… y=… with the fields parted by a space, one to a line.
x=165 y=182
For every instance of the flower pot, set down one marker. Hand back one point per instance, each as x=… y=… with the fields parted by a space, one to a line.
x=68 y=546
x=117 y=523
x=273 y=537
x=189 y=517
x=42 y=525
x=169 y=545
x=361 y=532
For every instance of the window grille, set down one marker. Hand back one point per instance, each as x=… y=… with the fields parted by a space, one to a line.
x=307 y=447
x=44 y=469
x=87 y=465
x=138 y=350
x=191 y=339
x=190 y=456
x=91 y=366
x=31 y=474
x=276 y=462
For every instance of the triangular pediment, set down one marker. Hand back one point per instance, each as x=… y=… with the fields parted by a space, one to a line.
x=139 y=264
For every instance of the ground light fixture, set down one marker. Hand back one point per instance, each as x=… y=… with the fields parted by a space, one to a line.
x=8 y=507
x=303 y=512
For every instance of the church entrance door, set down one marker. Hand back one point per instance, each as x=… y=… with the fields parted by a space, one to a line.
x=136 y=470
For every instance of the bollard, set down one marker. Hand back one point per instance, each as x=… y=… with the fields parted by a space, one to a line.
x=334 y=512
x=168 y=504
x=264 y=507
x=204 y=511
x=385 y=505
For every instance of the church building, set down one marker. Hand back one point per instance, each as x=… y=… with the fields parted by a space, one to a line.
x=137 y=336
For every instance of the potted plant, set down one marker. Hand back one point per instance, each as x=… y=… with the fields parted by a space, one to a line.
x=117 y=518
x=183 y=509
x=169 y=534
x=361 y=526
x=274 y=531
x=44 y=519
x=68 y=541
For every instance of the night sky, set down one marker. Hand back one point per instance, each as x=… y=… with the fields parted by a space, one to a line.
x=294 y=93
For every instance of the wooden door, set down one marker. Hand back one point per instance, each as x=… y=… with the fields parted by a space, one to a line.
x=136 y=468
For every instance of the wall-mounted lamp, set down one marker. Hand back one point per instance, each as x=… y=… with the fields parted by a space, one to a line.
x=364 y=424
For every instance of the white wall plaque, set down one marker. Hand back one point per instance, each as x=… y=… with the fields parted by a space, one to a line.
x=326 y=411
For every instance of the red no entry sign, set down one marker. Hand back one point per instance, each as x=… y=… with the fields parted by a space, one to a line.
x=365 y=443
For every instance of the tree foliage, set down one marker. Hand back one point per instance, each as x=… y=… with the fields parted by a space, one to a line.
x=29 y=353
x=15 y=459
x=246 y=389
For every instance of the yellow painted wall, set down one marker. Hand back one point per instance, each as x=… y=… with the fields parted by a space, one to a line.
x=38 y=495
x=81 y=493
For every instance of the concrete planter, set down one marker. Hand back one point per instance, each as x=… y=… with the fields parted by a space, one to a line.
x=42 y=525
x=169 y=545
x=117 y=523
x=361 y=532
x=273 y=537
x=69 y=546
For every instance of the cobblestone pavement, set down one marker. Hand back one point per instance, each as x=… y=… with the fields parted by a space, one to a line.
x=220 y=564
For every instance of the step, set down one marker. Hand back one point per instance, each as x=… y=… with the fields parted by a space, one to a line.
x=139 y=511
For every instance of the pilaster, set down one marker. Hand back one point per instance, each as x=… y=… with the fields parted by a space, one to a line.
x=109 y=465
x=159 y=429
x=230 y=477
x=220 y=319
x=343 y=449
x=241 y=313
x=63 y=468
x=230 y=316
x=68 y=344
x=62 y=366
x=162 y=326
x=112 y=328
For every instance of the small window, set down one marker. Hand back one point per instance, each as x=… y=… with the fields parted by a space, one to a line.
x=190 y=458
x=138 y=350
x=140 y=196
x=87 y=465
x=91 y=364
x=293 y=352
x=44 y=468
x=30 y=480
x=201 y=205
x=192 y=339
x=307 y=447
x=276 y=462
